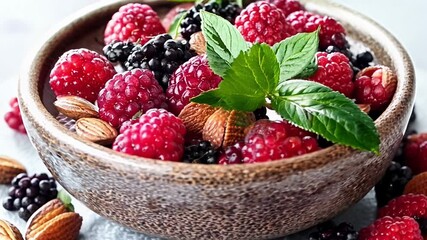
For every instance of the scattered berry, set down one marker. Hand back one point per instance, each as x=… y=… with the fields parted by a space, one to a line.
x=80 y=72
x=417 y=185
x=173 y=13
x=192 y=21
x=331 y=31
x=415 y=152
x=232 y=155
x=133 y=22
x=162 y=55
x=287 y=6
x=375 y=86
x=392 y=228
x=118 y=51
x=188 y=81
x=200 y=152
x=29 y=193
x=13 y=118
x=271 y=140
x=330 y=231
x=158 y=134
x=128 y=93
x=334 y=71
x=411 y=205
x=262 y=22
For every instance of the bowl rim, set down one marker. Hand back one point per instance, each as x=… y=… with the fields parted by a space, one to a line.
x=30 y=102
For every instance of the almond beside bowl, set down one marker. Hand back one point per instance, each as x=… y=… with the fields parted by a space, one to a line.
x=192 y=201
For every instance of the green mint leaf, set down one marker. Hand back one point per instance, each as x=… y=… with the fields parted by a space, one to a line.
x=295 y=53
x=174 y=28
x=308 y=71
x=224 y=42
x=317 y=108
x=65 y=199
x=253 y=75
x=211 y=97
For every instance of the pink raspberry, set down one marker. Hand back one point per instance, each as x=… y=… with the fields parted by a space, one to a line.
x=128 y=93
x=415 y=152
x=80 y=72
x=331 y=31
x=411 y=205
x=334 y=71
x=262 y=22
x=13 y=117
x=188 y=81
x=287 y=6
x=158 y=134
x=133 y=22
x=392 y=228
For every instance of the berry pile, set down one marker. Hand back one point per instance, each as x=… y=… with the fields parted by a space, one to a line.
x=13 y=117
x=29 y=193
x=192 y=21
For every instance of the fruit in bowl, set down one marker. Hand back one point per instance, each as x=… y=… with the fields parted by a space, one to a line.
x=216 y=114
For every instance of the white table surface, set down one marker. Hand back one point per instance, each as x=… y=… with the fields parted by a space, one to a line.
x=23 y=22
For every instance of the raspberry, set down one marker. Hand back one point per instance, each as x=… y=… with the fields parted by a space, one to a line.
x=118 y=51
x=393 y=183
x=200 y=152
x=331 y=31
x=13 y=117
x=80 y=72
x=162 y=55
x=158 y=134
x=411 y=205
x=330 y=231
x=334 y=71
x=271 y=140
x=232 y=155
x=192 y=21
x=415 y=152
x=133 y=22
x=128 y=93
x=262 y=22
x=375 y=86
x=392 y=228
x=287 y=6
x=188 y=81
x=172 y=14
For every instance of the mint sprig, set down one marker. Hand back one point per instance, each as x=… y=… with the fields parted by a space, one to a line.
x=256 y=74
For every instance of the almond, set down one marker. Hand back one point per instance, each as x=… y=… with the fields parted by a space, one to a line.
x=8 y=231
x=76 y=107
x=96 y=130
x=198 y=43
x=53 y=221
x=194 y=117
x=366 y=108
x=9 y=168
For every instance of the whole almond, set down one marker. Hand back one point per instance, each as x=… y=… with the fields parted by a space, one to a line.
x=43 y=215
x=96 y=130
x=366 y=108
x=198 y=43
x=194 y=117
x=75 y=107
x=9 y=168
x=8 y=231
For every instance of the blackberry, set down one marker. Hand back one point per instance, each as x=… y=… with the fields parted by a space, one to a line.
x=162 y=55
x=118 y=51
x=261 y=113
x=192 y=21
x=330 y=231
x=29 y=193
x=200 y=152
x=358 y=61
x=393 y=183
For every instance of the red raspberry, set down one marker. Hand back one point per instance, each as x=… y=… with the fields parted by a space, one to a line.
x=133 y=22
x=262 y=22
x=80 y=72
x=170 y=16
x=375 y=86
x=232 y=155
x=128 y=93
x=331 y=31
x=271 y=140
x=287 y=6
x=397 y=228
x=415 y=152
x=411 y=205
x=13 y=118
x=334 y=71
x=158 y=134
x=188 y=81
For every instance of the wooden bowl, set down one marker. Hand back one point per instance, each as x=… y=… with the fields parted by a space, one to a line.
x=190 y=201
